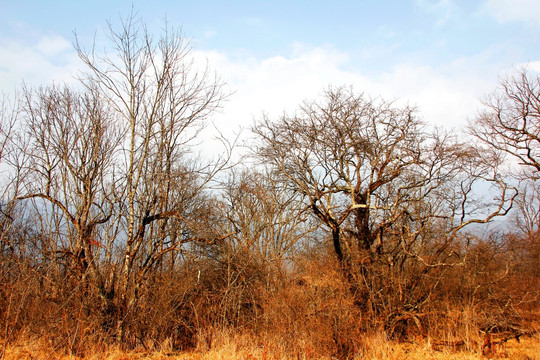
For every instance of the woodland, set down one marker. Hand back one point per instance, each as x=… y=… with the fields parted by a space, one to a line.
x=347 y=219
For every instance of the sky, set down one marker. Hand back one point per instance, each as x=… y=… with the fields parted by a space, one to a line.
x=442 y=56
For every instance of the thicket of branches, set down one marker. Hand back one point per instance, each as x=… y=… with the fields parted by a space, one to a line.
x=352 y=215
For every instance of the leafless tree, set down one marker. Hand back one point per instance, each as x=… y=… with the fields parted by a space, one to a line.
x=161 y=99
x=110 y=171
x=71 y=144
x=265 y=217
x=386 y=188
x=510 y=121
x=8 y=119
x=338 y=154
x=10 y=165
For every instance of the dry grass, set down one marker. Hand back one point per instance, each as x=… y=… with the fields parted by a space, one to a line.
x=236 y=346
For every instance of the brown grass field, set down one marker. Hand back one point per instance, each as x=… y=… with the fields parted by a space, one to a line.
x=231 y=346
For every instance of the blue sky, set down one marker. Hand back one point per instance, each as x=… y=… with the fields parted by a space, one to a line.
x=441 y=55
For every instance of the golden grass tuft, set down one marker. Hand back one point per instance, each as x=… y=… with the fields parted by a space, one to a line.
x=230 y=345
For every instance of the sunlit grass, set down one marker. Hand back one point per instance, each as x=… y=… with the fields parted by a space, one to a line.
x=237 y=346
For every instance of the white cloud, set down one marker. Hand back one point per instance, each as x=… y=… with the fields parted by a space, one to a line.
x=514 y=10
x=441 y=99
x=445 y=96
x=52 y=46
x=278 y=83
x=534 y=65
x=50 y=59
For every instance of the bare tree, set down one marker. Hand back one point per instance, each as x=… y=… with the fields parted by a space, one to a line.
x=110 y=174
x=9 y=112
x=10 y=165
x=265 y=217
x=366 y=162
x=338 y=154
x=510 y=121
x=389 y=191
x=72 y=142
x=161 y=98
